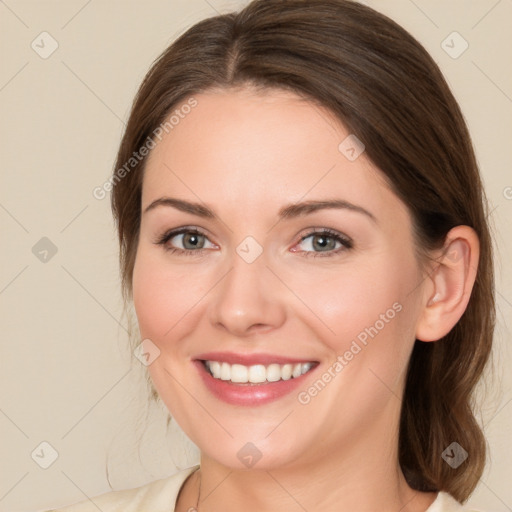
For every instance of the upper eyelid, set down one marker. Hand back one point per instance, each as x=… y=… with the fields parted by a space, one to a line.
x=171 y=233
x=332 y=232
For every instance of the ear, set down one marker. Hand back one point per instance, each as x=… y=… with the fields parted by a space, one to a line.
x=448 y=287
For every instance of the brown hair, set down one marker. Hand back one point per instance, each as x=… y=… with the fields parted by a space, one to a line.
x=387 y=90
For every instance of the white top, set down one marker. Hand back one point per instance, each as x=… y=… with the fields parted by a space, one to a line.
x=160 y=495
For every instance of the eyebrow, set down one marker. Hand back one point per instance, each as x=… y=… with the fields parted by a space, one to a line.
x=287 y=212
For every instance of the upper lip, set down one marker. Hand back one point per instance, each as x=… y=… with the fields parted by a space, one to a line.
x=250 y=359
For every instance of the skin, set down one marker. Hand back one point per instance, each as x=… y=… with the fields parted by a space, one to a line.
x=247 y=154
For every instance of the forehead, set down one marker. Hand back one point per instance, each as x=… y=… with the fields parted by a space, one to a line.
x=259 y=147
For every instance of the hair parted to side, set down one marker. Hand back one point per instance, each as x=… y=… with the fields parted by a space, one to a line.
x=388 y=91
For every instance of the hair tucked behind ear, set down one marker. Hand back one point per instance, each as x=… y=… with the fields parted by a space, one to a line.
x=385 y=88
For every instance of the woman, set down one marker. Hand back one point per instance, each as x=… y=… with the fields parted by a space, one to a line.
x=303 y=235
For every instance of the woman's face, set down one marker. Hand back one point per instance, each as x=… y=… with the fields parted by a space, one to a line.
x=254 y=284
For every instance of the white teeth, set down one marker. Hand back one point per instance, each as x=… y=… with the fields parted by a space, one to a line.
x=257 y=373
x=215 y=368
x=297 y=370
x=305 y=367
x=273 y=372
x=225 y=371
x=286 y=371
x=239 y=373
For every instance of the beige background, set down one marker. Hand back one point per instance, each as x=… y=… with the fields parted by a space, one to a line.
x=66 y=376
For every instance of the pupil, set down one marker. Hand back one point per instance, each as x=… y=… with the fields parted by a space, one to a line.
x=193 y=239
x=322 y=242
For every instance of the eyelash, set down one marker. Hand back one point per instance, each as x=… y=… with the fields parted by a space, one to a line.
x=337 y=237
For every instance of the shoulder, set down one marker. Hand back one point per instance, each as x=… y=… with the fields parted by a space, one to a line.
x=156 y=496
x=446 y=503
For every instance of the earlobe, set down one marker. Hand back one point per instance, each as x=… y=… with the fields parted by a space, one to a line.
x=451 y=280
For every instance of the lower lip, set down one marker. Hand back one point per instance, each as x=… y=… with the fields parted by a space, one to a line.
x=249 y=394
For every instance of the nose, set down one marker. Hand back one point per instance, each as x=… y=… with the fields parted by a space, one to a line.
x=248 y=299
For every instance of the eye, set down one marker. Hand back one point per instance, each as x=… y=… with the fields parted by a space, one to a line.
x=320 y=242
x=192 y=241
x=324 y=243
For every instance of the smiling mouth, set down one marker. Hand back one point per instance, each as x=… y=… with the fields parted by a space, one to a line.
x=258 y=373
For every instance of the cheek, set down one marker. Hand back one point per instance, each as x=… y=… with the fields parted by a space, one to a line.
x=367 y=301
x=367 y=328
x=163 y=297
